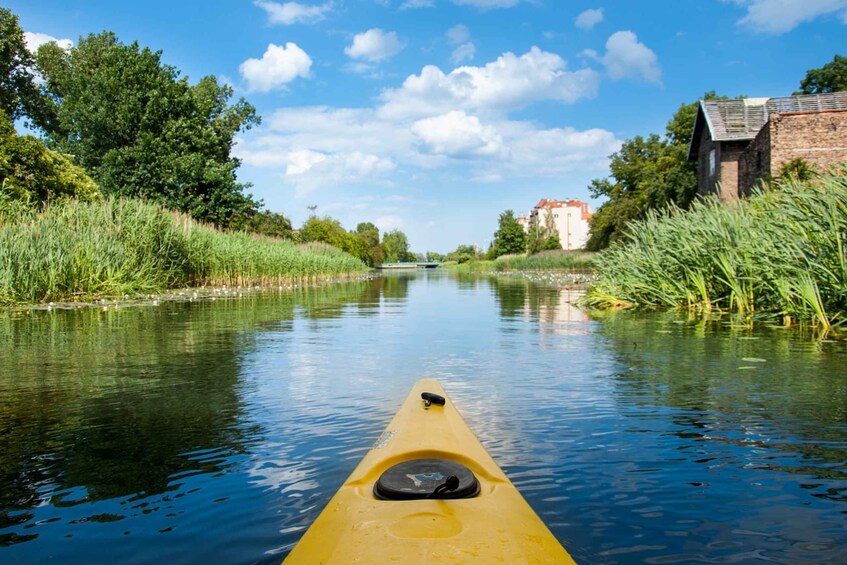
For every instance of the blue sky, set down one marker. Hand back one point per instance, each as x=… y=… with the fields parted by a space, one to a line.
x=434 y=116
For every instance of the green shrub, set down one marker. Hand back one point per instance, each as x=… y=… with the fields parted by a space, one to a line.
x=32 y=174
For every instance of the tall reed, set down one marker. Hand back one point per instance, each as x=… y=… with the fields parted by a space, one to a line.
x=780 y=253
x=546 y=260
x=118 y=246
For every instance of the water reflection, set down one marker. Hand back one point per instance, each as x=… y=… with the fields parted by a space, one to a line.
x=553 y=307
x=125 y=405
x=748 y=426
x=638 y=438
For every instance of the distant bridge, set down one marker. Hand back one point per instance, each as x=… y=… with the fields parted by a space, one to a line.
x=419 y=265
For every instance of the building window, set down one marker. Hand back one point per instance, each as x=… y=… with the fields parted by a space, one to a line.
x=712 y=163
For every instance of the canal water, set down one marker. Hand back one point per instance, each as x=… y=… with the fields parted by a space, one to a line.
x=216 y=430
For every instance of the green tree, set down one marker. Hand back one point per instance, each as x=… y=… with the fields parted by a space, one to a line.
x=832 y=77
x=646 y=173
x=396 y=246
x=264 y=222
x=463 y=254
x=510 y=237
x=363 y=227
x=142 y=131
x=20 y=96
x=327 y=230
x=543 y=237
x=32 y=174
x=373 y=251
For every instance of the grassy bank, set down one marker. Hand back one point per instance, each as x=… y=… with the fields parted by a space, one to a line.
x=779 y=255
x=117 y=247
x=544 y=261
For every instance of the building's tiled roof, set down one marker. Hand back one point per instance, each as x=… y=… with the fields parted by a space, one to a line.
x=731 y=120
x=573 y=203
x=734 y=119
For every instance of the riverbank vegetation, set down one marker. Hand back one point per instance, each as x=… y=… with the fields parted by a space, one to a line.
x=558 y=260
x=651 y=172
x=780 y=255
x=114 y=247
x=130 y=185
x=647 y=173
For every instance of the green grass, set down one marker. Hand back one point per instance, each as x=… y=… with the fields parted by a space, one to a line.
x=778 y=255
x=116 y=247
x=544 y=261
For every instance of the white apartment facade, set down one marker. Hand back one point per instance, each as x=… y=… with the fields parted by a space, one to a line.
x=569 y=216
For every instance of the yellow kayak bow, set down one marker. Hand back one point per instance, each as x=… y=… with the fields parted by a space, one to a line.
x=427 y=492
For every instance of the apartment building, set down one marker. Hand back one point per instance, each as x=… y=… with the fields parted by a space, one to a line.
x=569 y=216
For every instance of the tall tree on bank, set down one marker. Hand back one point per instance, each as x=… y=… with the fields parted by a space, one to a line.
x=396 y=246
x=510 y=237
x=646 y=173
x=373 y=251
x=832 y=77
x=142 y=131
x=543 y=237
x=326 y=229
x=20 y=96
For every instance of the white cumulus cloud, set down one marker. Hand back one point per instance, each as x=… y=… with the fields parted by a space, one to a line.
x=35 y=40
x=589 y=18
x=374 y=45
x=302 y=161
x=556 y=151
x=289 y=13
x=780 y=16
x=458 y=34
x=277 y=67
x=337 y=168
x=432 y=123
x=626 y=57
x=510 y=82
x=457 y=134
x=462 y=53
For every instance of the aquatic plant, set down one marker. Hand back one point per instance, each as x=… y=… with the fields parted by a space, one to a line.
x=120 y=246
x=779 y=254
x=546 y=260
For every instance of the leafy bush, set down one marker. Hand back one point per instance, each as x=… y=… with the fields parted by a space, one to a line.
x=32 y=174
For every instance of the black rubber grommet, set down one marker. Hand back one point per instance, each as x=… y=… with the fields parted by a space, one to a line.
x=418 y=478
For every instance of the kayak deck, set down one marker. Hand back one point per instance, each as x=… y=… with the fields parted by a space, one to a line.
x=495 y=526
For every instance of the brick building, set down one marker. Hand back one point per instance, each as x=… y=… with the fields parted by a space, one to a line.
x=736 y=143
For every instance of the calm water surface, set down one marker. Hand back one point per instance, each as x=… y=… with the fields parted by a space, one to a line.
x=216 y=431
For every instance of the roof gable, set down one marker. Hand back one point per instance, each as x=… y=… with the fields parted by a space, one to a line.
x=741 y=120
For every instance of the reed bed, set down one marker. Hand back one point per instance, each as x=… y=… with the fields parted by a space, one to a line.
x=778 y=255
x=117 y=246
x=545 y=261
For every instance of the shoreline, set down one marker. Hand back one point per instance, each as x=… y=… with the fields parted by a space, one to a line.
x=188 y=294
